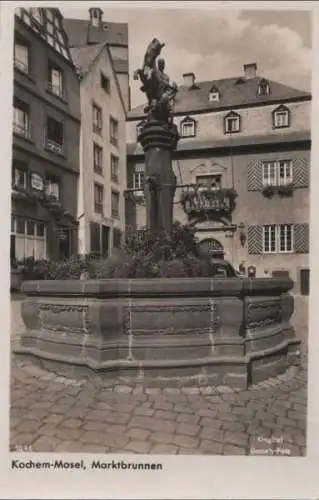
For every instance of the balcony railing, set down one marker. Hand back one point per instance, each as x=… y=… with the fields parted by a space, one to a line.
x=22 y=130
x=54 y=146
x=203 y=200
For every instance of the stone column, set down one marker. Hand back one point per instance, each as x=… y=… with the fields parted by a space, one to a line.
x=159 y=140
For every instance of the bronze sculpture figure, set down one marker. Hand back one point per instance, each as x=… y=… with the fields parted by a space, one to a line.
x=156 y=84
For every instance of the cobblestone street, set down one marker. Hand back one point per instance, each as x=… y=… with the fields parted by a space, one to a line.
x=54 y=413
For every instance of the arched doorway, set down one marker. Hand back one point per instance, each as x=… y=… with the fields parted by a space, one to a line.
x=213 y=247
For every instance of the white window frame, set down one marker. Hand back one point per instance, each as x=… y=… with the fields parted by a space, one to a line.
x=115 y=210
x=97 y=118
x=21 y=57
x=188 y=128
x=114 y=131
x=276 y=179
x=98 y=203
x=115 y=163
x=214 y=96
x=281 y=118
x=55 y=82
x=138 y=180
x=232 y=119
x=25 y=238
x=21 y=122
x=275 y=231
x=15 y=176
x=287 y=166
x=53 y=188
x=97 y=158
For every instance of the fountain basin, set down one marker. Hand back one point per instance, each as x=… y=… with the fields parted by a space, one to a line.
x=229 y=331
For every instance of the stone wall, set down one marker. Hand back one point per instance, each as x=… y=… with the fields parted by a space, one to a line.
x=219 y=331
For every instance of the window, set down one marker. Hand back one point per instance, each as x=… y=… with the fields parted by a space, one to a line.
x=232 y=123
x=54 y=140
x=278 y=238
x=114 y=126
x=98 y=158
x=115 y=204
x=97 y=119
x=98 y=198
x=277 y=173
x=52 y=186
x=281 y=117
x=138 y=180
x=214 y=94
x=263 y=88
x=213 y=180
x=105 y=83
x=21 y=57
x=19 y=175
x=284 y=172
x=21 y=118
x=139 y=129
x=55 y=80
x=188 y=127
x=29 y=238
x=114 y=168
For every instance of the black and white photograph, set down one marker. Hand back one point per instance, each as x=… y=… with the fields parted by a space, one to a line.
x=160 y=233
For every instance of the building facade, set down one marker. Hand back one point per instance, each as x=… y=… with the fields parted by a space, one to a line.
x=243 y=169
x=102 y=151
x=46 y=135
x=95 y=30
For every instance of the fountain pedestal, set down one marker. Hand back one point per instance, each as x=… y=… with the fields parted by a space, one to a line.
x=159 y=140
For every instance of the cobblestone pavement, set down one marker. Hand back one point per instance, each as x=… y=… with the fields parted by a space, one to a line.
x=54 y=413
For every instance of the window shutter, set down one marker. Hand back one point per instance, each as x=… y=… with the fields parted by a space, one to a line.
x=254 y=176
x=300 y=172
x=301 y=238
x=255 y=239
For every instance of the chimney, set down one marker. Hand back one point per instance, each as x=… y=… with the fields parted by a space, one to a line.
x=189 y=79
x=250 y=70
x=96 y=15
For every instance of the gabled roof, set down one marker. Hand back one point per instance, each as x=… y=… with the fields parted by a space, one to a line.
x=234 y=92
x=80 y=32
x=85 y=57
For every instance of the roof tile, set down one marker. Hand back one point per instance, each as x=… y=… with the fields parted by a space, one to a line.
x=233 y=92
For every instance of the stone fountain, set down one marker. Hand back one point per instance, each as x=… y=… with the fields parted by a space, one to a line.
x=170 y=331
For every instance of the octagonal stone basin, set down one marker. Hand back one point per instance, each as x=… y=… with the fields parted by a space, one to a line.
x=229 y=331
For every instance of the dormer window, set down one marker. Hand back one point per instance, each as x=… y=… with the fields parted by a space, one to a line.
x=214 y=94
x=263 y=87
x=232 y=123
x=188 y=127
x=281 y=117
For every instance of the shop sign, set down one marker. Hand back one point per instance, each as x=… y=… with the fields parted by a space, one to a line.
x=37 y=182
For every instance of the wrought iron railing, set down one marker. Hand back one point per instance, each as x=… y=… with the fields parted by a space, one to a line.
x=199 y=199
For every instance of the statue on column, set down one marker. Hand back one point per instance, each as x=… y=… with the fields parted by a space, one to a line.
x=156 y=84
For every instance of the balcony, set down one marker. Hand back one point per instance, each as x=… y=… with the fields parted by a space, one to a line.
x=210 y=201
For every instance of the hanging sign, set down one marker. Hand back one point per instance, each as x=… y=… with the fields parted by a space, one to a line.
x=37 y=182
